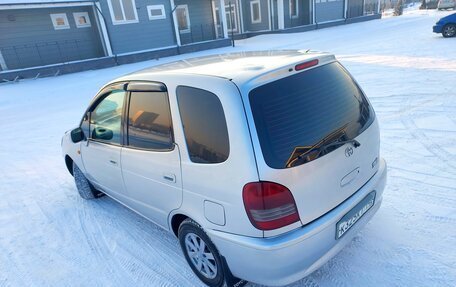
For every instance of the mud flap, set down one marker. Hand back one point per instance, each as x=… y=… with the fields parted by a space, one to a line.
x=230 y=280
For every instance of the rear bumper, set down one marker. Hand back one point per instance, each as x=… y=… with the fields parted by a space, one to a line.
x=289 y=257
x=437 y=29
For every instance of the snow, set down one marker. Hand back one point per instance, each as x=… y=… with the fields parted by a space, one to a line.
x=50 y=236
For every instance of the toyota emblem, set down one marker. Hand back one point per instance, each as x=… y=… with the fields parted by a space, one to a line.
x=348 y=151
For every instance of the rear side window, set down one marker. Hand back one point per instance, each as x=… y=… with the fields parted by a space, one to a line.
x=204 y=125
x=294 y=114
x=149 y=121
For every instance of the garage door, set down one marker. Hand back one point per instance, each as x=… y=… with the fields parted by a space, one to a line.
x=329 y=10
x=39 y=37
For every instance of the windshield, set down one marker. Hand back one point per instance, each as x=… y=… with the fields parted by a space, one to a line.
x=298 y=112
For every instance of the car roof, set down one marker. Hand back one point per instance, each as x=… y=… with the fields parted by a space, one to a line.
x=239 y=67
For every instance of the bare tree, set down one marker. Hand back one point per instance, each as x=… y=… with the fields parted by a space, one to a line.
x=399 y=8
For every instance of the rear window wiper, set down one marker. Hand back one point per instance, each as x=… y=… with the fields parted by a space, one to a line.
x=316 y=151
x=355 y=144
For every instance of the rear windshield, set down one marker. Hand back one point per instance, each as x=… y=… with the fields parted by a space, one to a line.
x=294 y=115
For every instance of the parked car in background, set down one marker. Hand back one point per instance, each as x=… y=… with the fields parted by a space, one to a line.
x=446 y=4
x=446 y=26
x=263 y=164
x=432 y=4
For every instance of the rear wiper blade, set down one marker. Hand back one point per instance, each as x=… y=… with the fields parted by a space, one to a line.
x=316 y=151
x=355 y=144
x=324 y=147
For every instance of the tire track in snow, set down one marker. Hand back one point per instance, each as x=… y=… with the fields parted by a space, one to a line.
x=422 y=173
x=380 y=103
x=416 y=193
x=97 y=244
x=430 y=145
x=414 y=180
x=305 y=282
x=437 y=272
x=441 y=219
x=11 y=270
x=154 y=262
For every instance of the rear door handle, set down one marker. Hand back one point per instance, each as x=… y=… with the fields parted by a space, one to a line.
x=169 y=177
x=113 y=162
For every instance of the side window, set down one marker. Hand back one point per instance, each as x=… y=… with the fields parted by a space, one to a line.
x=149 y=121
x=106 y=118
x=204 y=125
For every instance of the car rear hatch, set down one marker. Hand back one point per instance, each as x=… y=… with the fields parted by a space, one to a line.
x=318 y=137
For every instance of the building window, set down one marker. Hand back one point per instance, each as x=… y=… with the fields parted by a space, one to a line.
x=82 y=19
x=183 y=19
x=123 y=11
x=60 y=21
x=231 y=17
x=294 y=12
x=217 y=16
x=255 y=11
x=156 y=12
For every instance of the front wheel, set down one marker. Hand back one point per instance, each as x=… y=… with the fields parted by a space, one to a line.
x=449 y=30
x=201 y=254
x=85 y=189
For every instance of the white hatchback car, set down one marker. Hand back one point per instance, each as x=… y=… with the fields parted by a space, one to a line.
x=263 y=164
x=446 y=4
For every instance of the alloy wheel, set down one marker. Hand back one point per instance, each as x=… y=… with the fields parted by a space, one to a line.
x=449 y=31
x=200 y=255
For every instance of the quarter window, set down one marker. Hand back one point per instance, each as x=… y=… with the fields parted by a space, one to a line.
x=255 y=11
x=183 y=19
x=204 y=125
x=149 y=121
x=106 y=118
x=123 y=11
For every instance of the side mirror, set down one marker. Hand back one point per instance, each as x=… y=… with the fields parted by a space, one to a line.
x=77 y=135
x=102 y=133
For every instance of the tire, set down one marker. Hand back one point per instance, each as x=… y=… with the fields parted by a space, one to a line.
x=449 y=30
x=207 y=265
x=85 y=189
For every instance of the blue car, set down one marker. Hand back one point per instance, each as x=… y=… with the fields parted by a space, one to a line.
x=446 y=26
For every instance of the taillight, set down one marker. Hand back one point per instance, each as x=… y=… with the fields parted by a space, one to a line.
x=306 y=65
x=269 y=205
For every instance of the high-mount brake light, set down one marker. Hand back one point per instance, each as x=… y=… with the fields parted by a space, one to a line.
x=306 y=65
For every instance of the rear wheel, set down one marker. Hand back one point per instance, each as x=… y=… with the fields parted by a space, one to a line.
x=449 y=30
x=85 y=189
x=201 y=254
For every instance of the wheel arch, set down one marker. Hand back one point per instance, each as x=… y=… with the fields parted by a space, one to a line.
x=69 y=164
x=176 y=221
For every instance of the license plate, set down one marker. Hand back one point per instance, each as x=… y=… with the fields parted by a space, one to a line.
x=351 y=217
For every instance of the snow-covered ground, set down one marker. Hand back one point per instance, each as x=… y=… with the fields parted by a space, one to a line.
x=51 y=237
